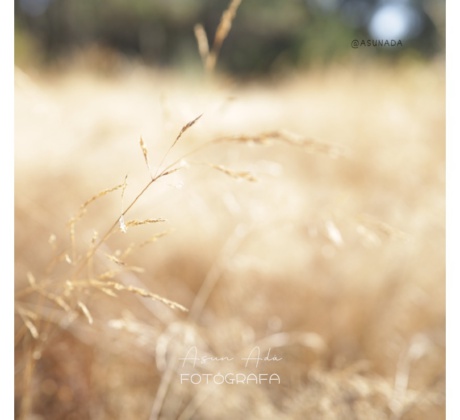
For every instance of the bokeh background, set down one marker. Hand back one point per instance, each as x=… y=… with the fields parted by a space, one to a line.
x=271 y=35
x=306 y=216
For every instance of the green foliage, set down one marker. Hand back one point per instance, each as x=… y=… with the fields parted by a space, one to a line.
x=267 y=34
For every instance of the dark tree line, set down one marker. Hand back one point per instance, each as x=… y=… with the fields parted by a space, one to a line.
x=266 y=35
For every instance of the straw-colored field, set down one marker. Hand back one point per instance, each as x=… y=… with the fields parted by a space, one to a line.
x=309 y=231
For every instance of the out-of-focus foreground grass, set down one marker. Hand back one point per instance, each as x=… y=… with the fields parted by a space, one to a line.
x=313 y=230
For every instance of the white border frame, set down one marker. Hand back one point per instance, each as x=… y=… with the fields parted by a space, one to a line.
x=7 y=206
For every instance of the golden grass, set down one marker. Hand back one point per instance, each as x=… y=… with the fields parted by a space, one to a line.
x=333 y=260
x=210 y=56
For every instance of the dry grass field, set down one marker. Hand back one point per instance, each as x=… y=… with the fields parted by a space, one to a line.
x=301 y=221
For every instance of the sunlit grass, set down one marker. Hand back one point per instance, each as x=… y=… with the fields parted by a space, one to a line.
x=304 y=216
